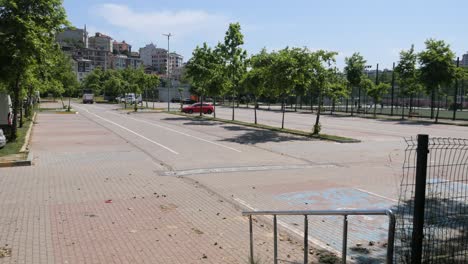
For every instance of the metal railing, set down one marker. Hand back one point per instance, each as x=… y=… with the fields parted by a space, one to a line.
x=344 y=213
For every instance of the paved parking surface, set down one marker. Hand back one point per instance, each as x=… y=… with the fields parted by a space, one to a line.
x=203 y=168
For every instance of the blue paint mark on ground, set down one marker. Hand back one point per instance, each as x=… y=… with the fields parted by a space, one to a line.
x=328 y=229
x=334 y=198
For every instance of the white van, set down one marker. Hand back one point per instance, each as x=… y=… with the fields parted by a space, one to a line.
x=6 y=112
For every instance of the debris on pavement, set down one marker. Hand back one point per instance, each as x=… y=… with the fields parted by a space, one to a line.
x=5 y=252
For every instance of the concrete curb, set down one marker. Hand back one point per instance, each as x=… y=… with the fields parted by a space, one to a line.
x=27 y=139
x=18 y=163
x=279 y=130
x=24 y=149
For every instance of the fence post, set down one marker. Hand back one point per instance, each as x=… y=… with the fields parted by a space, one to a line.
x=419 y=199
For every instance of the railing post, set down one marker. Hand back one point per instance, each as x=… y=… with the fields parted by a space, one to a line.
x=251 y=240
x=306 y=240
x=275 y=237
x=391 y=236
x=419 y=199
x=345 y=239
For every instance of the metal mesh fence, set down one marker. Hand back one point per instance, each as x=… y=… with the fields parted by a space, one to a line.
x=445 y=237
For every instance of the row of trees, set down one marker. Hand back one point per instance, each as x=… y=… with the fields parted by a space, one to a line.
x=30 y=59
x=226 y=70
x=112 y=83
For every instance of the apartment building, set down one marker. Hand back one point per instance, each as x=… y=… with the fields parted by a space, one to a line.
x=72 y=38
x=101 y=42
x=159 y=61
x=82 y=68
x=121 y=47
x=146 y=54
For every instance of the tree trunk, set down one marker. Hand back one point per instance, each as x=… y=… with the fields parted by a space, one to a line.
x=201 y=105
x=300 y=102
x=233 y=105
x=14 y=126
x=347 y=102
x=410 y=106
x=146 y=97
x=69 y=103
x=152 y=95
x=295 y=105
x=432 y=102
x=255 y=110
x=214 y=106
x=438 y=108
x=284 y=110
x=21 y=114
x=333 y=106
x=375 y=108
x=135 y=108
x=317 y=118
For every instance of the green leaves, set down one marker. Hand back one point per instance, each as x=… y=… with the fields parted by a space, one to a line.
x=205 y=70
x=355 y=66
x=437 y=67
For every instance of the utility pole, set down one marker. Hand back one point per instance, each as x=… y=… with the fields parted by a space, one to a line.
x=169 y=82
x=377 y=75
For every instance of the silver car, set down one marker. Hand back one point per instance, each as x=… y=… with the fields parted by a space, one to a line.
x=2 y=139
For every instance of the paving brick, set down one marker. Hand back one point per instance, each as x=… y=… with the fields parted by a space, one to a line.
x=55 y=211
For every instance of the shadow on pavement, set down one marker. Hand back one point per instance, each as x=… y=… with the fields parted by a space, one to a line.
x=255 y=136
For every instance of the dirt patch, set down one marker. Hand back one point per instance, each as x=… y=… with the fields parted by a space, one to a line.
x=168 y=207
x=197 y=231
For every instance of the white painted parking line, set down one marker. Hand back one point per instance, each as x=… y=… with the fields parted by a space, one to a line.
x=179 y=132
x=131 y=131
x=377 y=195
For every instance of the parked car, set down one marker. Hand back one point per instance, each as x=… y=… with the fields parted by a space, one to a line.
x=6 y=112
x=188 y=101
x=2 y=139
x=88 y=96
x=195 y=108
x=175 y=100
x=130 y=98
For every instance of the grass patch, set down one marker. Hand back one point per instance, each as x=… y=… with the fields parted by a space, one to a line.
x=13 y=147
x=276 y=129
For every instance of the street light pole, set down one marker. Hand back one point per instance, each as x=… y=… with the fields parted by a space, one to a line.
x=167 y=71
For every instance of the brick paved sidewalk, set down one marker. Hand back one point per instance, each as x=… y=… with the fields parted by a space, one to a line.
x=56 y=210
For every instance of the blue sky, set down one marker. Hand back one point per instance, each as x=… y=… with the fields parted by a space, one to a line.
x=377 y=29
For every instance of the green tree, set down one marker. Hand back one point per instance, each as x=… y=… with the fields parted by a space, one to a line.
x=233 y=60
x=408 y=76
x=28 y=30
x=151 y=82
x=63 y=73
x=204 y=70
x=354 y=69
x=377 y=92
x=325 y=76
x=338 y=88
x=256 y=80
x=94 y=80
x=437 y=69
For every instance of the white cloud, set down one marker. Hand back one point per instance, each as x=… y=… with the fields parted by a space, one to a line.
x=181 y=23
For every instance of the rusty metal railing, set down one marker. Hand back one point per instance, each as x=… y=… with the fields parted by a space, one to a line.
x=344 y=213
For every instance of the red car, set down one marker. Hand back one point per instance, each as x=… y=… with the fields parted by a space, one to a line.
x=195 y=108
